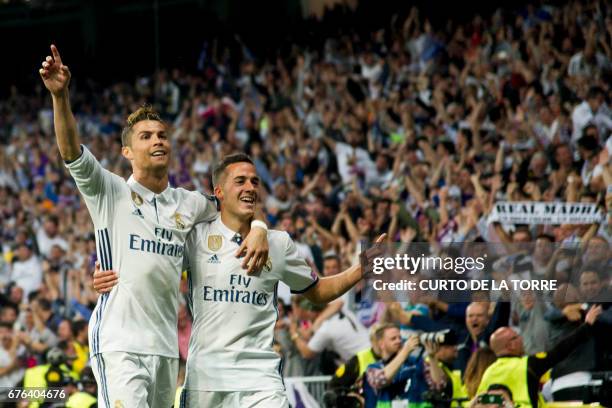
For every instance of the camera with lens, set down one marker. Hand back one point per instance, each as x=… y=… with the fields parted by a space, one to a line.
x=441 y=337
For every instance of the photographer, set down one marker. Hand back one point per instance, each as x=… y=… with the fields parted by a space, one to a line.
x=444 y=383
x=387 y=379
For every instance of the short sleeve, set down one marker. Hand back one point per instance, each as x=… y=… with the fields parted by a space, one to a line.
x=320 y=340
x=297 y=274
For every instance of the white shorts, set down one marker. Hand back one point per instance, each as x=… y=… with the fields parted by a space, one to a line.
x=129 y=380
x=234 y=399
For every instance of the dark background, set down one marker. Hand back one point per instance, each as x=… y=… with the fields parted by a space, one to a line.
x=113 y=40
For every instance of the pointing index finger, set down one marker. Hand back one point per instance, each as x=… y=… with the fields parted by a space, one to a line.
x=56 y=54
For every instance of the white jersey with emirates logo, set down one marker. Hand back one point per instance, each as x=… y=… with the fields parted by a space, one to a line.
x=140 y=235
x=234 y=314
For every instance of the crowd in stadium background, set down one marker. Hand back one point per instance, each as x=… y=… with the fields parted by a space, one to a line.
x=413 y=130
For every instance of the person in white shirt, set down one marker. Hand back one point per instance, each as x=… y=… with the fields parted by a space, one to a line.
x=353 y=161
x=342 y=333
x=47 y=236
x=27 y=272
x=231 y=361
x=592 y=110
x=11 y=370
x=140 y=228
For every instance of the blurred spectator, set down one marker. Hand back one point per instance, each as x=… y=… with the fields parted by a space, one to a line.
x=342 y=334
x=48 y=235
x=480 y=327
x=479 y=361
x=11 y=357
x=27 y=270
x=347 y=375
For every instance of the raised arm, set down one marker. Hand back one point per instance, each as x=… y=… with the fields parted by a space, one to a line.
x=56 y=77
x=394 y=365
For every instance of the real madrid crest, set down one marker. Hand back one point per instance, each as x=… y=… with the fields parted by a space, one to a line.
x=136 y=198
x=179 y=222
x=268 y=265
x=215 y=242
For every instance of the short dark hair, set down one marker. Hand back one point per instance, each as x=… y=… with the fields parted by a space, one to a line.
x=547 y=237
x=44 y=304
x=77 y=326
x=594 y=92
x=592 y=268
x=333 y=256
x=228 y=160
x=145 y=112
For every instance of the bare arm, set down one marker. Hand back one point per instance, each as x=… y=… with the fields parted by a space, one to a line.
x=332 y=287
x=56 y=77
x=394 y=365
x=437 y=374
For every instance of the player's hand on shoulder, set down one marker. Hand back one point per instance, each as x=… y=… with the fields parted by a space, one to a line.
x=255 y=249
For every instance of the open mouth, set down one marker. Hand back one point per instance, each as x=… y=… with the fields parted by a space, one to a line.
x=159 y=153
x=247 y=199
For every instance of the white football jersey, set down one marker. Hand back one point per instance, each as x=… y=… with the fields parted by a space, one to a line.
x=234 y=314
x=140 y=235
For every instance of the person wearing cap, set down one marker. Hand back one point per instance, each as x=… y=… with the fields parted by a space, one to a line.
x=521 y=373
x=438 y=369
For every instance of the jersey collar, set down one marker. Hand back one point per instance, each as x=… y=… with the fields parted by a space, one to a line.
x=227 y=233
x=146 y=193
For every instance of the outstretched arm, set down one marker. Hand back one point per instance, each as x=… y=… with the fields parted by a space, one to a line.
x=56 y=77
x=332 y=287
